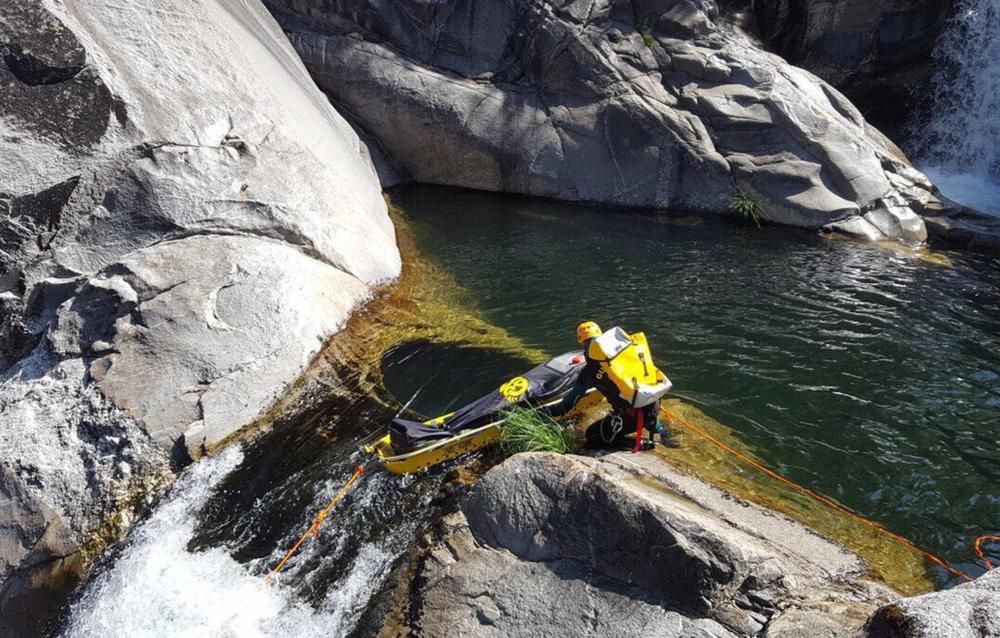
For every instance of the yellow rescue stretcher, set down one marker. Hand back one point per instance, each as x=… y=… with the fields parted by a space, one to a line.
x=626 y=371
x=438 y=452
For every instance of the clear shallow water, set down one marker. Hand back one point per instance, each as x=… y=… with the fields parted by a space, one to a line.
x=866 y=374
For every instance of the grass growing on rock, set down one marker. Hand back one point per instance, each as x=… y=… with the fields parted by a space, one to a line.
x=528 y=430
x=646 y=31
x=746 y=208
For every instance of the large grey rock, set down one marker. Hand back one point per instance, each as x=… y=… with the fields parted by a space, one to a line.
x=70 y=461
x=472 y=591
x=217 y=315
x=877 y=51
x=971 y=610
x=952 y=225
x=570 y=546
x=653 y=104
x=185 y=220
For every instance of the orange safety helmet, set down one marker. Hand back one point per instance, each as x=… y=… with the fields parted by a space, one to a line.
x=587 y=330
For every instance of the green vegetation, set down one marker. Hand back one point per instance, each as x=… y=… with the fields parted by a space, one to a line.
x=643 y=28
x=528 y=430
x=746 y=208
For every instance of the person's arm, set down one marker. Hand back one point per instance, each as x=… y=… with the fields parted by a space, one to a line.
x=583 y=383
x=569 y=399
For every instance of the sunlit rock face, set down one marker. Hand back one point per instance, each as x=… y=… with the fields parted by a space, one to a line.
x=971 y=610
x=186 y=220
x=626 y=545
x=653 y=104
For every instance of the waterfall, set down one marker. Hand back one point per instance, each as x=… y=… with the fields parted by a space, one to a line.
x=157 y=586
x=958 y=143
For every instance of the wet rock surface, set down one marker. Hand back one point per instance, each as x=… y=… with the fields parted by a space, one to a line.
x=186 y=219
x=570 y=546
x=971 y=610
x=631 y=103
x=952 y=225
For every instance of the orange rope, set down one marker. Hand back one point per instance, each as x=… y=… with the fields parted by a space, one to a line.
x=979 y=549
x=819 y=497
x=314 y=528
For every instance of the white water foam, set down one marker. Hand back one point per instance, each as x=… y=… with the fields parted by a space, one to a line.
x=958 y=146
x=971 y=189
x=156 y=587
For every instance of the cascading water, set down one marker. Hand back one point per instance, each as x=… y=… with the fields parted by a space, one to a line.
x=958 y=143
x=158 y=586
x=198 y=565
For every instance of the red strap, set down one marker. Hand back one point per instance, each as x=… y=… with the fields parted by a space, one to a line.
x=638 y=431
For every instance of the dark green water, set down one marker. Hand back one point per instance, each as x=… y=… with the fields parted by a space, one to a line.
x=869 y=375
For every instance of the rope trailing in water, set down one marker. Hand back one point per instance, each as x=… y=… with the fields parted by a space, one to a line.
x=982 y=554
x=827 y=501
x=314 y=528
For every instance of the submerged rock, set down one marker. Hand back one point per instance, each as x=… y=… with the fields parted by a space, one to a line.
x=641 y=103
x=971 y=610
x=187 y=219
x=625 y=545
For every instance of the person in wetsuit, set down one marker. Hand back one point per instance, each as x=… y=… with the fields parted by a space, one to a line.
x=611 y=432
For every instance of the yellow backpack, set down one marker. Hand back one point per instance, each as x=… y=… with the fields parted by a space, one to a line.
x=628 y=364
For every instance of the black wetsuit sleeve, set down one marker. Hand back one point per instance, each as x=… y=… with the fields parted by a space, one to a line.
x=586 y=381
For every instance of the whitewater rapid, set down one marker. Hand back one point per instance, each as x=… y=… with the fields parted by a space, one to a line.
x=157 y=587
x=958 y=144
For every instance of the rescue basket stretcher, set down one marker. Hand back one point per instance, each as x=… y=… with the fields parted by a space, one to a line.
x=624 y=360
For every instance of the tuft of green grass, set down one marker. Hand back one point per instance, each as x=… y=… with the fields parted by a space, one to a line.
x=646 y=31
x=528 y=430
x=746 y=208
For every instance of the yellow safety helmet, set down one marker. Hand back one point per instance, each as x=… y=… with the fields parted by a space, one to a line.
x=587 y=330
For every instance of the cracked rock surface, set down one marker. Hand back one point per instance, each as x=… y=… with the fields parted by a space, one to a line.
x=185 y=219
x=628 y=102
x=625 y=545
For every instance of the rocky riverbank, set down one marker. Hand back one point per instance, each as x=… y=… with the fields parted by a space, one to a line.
x=187 y=219
x=660 y=105
x=625 y=544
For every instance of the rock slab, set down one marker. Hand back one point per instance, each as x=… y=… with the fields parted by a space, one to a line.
x=569 y=546
x=185 y=220
x=631 y=103
x=879 y=52
x=971 y=610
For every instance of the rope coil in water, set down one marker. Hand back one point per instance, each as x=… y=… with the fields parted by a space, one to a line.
x=674 y=418
x=314 y=528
